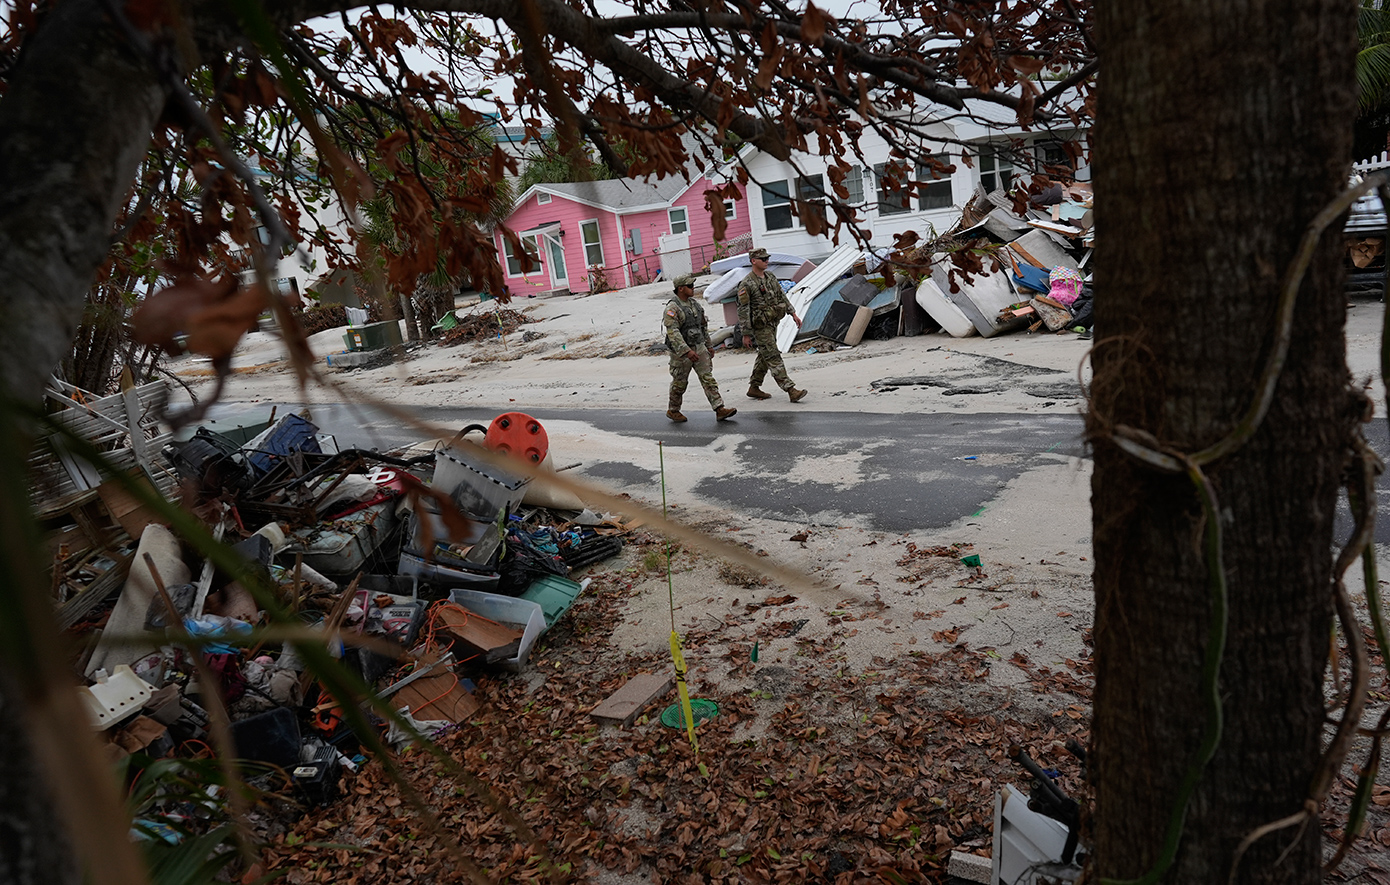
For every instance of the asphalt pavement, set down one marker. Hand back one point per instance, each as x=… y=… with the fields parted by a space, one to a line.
x=906 y=471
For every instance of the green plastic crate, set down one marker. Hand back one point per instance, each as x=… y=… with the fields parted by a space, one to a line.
x=554 y=595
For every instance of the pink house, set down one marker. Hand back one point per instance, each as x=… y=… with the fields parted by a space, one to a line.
x=621 y=230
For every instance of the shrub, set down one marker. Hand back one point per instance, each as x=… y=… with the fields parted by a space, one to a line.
x=323 y=316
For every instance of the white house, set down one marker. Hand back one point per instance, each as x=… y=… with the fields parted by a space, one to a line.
x=930 y=202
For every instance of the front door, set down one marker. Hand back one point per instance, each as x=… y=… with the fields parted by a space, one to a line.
x=555 y=252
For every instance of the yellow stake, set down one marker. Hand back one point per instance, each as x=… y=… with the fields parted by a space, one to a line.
x=676 y=657
x=679 y=660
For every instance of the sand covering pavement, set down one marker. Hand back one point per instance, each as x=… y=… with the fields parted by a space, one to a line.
x=887 y=634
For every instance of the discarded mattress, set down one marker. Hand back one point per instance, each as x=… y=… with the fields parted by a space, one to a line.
x=804 y=292
x=724 y=287
x=982 y=299
x=1037 y=248
x=741 y=260
x=943 y=310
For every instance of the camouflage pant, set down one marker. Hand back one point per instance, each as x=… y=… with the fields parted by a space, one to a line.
x=704 y=370
x=769 y=359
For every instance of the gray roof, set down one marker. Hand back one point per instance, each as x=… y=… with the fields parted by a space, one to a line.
x=630 y=193
x=621 y=193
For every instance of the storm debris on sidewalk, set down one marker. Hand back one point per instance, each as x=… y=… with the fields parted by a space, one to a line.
x=994 y=272
x=424 y=573
x=484 y=325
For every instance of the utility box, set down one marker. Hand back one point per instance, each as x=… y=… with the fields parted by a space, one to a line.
x=373 y=336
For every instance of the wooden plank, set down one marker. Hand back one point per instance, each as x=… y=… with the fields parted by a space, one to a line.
x=623 y=705
x=1024 y=254
x=475 y=634
x=437 y=697
x=125 y=508
x=99 y=590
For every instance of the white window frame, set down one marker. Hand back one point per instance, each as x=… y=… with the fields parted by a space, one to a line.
x=684 y=219
x=514 y=260
x=730 y=210
x=883 y=199
x=542 y=198
x=782 y=203
x=1043 y=147
x=598 y=242
x=854 y=185
x=936 y=183
x=1000 y=166
x=811 y=197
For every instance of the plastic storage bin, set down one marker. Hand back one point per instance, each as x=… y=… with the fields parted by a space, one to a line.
x=341 y=548
x=476 y=486
x=519 y=614
x=554 y=594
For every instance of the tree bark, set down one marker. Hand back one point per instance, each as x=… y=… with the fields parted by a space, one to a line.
x=73 y=127
x=412 y=331
x=1222 y=130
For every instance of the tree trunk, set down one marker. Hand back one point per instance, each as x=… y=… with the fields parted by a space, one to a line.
x=74 y=123
x=412 y=330
x=1222 y=131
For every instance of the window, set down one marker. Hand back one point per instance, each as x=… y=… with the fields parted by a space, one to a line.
x=935 y=189
x=894 y=196
x=730 y=210
x=679 y=223
x=593 y=243
x=810 y=192
x=777 y=205
x=1054 y=154
x=854 y=183
x=542 y=199
x=515 y=262
x=996 y=170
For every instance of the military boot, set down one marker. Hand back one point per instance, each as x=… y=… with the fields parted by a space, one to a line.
x=673 y=410
x=796 y=395
x=755 y=392
x=723 y=413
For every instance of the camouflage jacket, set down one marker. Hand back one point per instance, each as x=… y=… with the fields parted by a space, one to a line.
x=761 y=302
x=687 y=328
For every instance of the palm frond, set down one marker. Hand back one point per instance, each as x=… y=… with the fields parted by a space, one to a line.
x=1373 y=77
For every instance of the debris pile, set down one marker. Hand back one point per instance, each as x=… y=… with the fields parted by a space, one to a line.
x=421 y=572
x=1010 y=263
x=484 y=326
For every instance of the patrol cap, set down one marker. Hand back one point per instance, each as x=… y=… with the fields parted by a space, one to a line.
x=687 y=279
x=760 y=253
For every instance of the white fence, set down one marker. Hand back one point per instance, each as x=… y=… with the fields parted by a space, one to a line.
x=1373 y=164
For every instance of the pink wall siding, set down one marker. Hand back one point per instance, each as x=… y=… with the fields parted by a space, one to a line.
x=533 y=214
x=613 y=229
x=701 y=228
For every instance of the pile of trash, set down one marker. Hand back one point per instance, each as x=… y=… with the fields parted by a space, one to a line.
x=482 y=325
x=1011 y=263
x=417 y=570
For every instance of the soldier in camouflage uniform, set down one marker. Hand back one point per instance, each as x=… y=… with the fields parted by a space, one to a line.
x=687 y=336
x=761 y=306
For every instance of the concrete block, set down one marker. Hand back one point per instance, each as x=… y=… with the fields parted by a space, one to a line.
x=351 y=359
x=970 y=867
x=623 y=705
